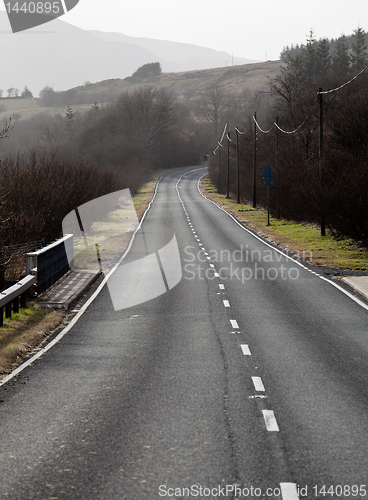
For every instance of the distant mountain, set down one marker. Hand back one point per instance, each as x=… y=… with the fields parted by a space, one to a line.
x=63 y=56
x=175 y=56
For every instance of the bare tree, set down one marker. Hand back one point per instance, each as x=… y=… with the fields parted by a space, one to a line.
x=210 y=106
x=4 y=133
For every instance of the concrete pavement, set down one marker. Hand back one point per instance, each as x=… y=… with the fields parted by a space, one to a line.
x=68 y=289
x=358 y=283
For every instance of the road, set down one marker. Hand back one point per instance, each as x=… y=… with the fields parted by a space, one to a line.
x=251 y=371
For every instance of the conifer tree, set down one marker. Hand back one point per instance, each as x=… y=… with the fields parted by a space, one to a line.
x=69 y=119
x=323 y=57
x=310 y=55
x=340 y=57
x=27 y=94
x=359 y=55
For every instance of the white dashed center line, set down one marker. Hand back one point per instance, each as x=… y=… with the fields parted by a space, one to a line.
x=245 y=349
x=289 y=491
x=270 y=420
x=258 y=384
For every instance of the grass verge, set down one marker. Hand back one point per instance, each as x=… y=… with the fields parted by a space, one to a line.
x=145 y=194
x=25 y=331
x=304 y=239
x=28 y=328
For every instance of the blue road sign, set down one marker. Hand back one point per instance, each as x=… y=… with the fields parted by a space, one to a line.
x=268 y=176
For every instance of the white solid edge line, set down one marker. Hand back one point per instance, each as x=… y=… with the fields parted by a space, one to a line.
x=351 y=296
x=270 y=420
x=289 y=491
x=85 y=306
x=258 y=384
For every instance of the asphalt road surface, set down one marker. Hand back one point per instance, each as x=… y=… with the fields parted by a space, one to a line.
x=247 y=379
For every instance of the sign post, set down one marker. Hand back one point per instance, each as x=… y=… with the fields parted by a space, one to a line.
x=268 y=177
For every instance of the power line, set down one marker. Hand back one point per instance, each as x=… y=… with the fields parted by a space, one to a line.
x=295 y=130
x=300 y=126
x=344 y=84
x=278 y=126
x=220 y=141
x=258 y=126
x=241 y=133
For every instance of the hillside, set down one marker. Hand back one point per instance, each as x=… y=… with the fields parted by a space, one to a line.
x=185 y=86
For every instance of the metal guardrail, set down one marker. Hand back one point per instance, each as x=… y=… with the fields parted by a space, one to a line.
x=43 y=267
x=51 y=262
x=15 y=295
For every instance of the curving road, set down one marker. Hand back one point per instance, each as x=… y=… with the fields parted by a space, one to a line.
x=248 y=379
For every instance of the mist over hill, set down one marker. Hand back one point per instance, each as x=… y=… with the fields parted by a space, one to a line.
x=177 y=57
x=63 y=56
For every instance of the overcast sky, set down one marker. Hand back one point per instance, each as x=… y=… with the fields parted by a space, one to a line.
x=247 y=28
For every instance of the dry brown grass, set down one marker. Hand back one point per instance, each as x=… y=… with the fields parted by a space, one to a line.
x=24 y=332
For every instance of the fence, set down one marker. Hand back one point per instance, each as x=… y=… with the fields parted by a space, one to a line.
x=51 y=262
x=13 y=261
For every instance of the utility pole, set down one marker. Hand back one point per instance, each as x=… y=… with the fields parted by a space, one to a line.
x=219 y=159
x=237 y=166
x=254 y=161
x=228 y=167
x=276 y=167
x=320 y=102
x=219 y=169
